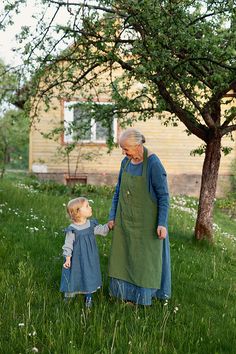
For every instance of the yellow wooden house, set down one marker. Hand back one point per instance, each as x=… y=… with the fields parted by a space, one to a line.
x=171 y=144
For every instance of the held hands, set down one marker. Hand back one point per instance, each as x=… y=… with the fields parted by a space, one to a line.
x=111 y=224
x=67 y=263
x=161 y=232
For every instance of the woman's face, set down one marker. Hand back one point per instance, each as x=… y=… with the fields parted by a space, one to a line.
x=131 y=151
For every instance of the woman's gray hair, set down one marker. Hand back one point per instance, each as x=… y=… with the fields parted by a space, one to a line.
x=132 y=136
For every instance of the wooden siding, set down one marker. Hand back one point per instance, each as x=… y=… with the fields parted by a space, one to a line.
x=171 y=144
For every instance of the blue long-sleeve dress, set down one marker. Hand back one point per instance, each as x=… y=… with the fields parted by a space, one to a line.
x=157 y=186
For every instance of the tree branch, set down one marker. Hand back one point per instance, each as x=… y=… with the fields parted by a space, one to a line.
x=209 y=60
x=194 y=127
x=217 y=97
x=228 y=120
x=92 y=7
x=187 y=93
x=227 y=130
x=40 y=40
x=74 y=82
x=203 y=17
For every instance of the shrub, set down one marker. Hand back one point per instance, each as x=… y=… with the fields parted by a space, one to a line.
x=56 y=188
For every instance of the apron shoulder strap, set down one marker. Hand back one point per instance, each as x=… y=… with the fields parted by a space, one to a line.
x=126 y=164
x=145 y=158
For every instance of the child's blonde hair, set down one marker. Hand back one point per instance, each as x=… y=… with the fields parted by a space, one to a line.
x=73 y=208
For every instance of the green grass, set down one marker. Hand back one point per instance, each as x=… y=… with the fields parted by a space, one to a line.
x=199 y=318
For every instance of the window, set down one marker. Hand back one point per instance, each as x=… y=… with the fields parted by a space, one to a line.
x=80 y=125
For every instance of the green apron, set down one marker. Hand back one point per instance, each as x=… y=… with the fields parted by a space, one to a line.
x=136 y=251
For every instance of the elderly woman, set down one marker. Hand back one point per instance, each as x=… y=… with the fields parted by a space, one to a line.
x=139 y=265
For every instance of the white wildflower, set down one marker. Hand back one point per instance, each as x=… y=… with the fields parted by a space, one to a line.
x=32 y=334
x=176 y=309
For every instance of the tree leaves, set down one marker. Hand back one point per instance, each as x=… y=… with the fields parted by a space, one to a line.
x=182 y=52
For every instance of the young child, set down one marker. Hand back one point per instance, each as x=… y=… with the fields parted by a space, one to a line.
x=81 y=272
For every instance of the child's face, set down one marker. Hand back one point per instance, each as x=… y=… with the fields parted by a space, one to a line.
x=85 y=210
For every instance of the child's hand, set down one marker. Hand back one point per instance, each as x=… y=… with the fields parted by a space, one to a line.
x=67 y=263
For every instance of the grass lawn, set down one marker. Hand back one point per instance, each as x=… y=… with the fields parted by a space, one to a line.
x=199 y=318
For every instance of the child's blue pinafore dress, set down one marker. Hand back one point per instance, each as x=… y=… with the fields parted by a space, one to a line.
x=84 y=275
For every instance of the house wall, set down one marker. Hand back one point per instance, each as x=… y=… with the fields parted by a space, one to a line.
x=171 y=144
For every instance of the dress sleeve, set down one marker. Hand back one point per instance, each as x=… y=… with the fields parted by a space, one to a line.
x=68 y=245
x=101 y=230
x=159 y=187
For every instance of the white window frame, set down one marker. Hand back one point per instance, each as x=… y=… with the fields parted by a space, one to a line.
x=69 y=117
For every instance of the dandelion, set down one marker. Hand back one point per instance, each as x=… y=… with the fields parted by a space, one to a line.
x=21 y=324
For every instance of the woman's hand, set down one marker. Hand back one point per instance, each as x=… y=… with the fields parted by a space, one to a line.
x=161 y=232
x=67 y=263
x=111 y=224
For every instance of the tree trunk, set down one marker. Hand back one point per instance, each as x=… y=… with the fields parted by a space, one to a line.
x=210 y=170
x=5 y=158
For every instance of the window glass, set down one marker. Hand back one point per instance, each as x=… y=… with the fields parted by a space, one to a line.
x=101 y=132
x=79 y=124
x=82 y=124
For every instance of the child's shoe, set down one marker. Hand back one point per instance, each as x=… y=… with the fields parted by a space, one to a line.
x=88 y=300
x=88 y=303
